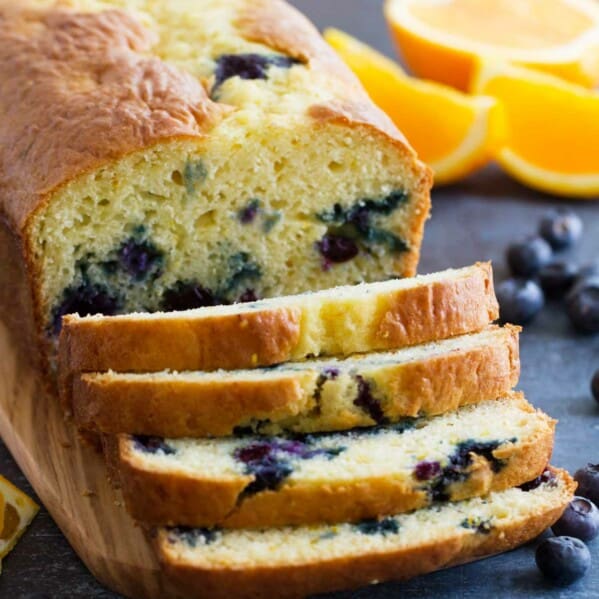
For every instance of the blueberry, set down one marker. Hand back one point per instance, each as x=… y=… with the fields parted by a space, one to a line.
x=520 y=300
x=526 y=257
x=588 y=482
x=557 y=278
x=185 y=296
x=87 y=298
x=249 y=212
x=249 y=295
x=336 y=248
x=583 y=305
x=588 y=271
x=563 y=560
x=155 y=445
x=427 y=470
x=595 y=385
x=384 y=527
x=269 y=462
x=580 y=520
x=368 y=402
x=546 y=477
x=140 y=259
x=483 y=527
x=561 y=228
x=249 y=66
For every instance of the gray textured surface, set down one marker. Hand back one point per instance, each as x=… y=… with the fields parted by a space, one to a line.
x=472 y=221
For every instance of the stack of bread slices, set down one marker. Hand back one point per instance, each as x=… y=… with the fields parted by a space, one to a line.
x=318 y=442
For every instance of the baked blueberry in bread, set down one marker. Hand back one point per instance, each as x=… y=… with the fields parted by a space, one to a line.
x=170 y=155
x=295 y=562
x=249 y=480
x=304 y=397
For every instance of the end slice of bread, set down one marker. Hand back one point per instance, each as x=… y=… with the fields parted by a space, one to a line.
x=303 y=397
x=296 y=562
x=337 y=321
x=253 y=481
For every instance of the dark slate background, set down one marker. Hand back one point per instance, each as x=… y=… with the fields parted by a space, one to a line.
x=471 y=221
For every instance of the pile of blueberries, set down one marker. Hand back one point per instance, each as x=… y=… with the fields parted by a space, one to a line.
x=537 y=275
x=565 y=558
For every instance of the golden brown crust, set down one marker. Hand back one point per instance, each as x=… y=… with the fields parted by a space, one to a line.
x=344 y=573
x=195 y=408
x=78 y=91
x=262 y=337
x=161 y=498
x=463 y=303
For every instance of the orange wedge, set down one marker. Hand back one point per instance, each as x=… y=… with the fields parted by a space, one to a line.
x=451 y=131
x=552 y=126
x=443 y=39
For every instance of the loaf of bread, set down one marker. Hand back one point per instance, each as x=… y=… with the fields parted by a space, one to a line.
x=304 y=397
x=168 y=155
x=253 y=481
x=337 y=321
x=296 y=562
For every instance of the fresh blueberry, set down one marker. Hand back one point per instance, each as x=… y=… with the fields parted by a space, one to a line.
x=588 y=482
x=87 y=298
x=583 y=305
x=185 y=296
x=580 y=520
x=557 y=278
x=520 y=300
x=563 y=560
x=336 y=248
x=561 y=228
x=595 y=385
x=527 y=257
x=588 y=271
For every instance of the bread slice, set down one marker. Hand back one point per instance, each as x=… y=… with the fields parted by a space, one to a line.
x=254 y=481
x=165 y=154
x=304 y=397
x=296 y=562
x=338 y=321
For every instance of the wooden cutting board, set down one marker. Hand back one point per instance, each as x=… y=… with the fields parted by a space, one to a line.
x=68 y=476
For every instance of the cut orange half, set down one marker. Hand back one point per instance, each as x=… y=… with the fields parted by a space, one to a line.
x=552 y=127
x=453 y=132
x=443 y=39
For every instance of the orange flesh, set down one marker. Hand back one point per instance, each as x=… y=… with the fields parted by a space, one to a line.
x=545 y=124
x=420 y=113
x=513 y=24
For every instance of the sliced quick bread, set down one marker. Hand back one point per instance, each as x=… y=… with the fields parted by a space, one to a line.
x=254 y=481
x=296 y=562
x=338 y=321
x=306 y=397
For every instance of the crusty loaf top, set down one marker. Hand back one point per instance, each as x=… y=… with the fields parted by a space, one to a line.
x=80 y=88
